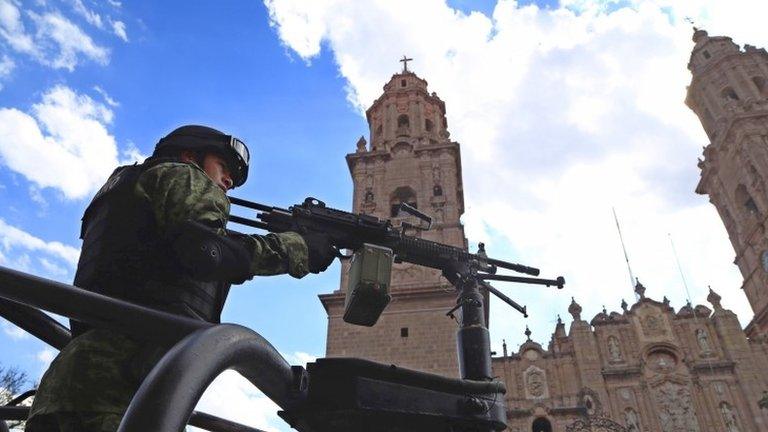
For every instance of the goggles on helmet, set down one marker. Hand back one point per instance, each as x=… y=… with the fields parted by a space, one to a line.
x=201 y=138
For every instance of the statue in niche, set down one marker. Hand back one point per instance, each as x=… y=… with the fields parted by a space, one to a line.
x=675 y=410
x=729 y=418
x=368 y=196
x=631 y=421
x=703 y=338
x=614 y=349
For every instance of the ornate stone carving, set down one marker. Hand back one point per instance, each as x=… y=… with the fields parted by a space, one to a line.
x=729 y=418
x=625 y=393
x=591 y=402
x=652 y=325
x=631 y=420
x=614 y=349
x=662 y=362
x=595 y=424
x=675 y=409
x=535 y=380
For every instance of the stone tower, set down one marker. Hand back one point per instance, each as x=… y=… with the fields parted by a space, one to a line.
x=729 y=94
x=410 y=159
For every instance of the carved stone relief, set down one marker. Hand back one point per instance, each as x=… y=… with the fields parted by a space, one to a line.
x=674 y=408
x=595 y=424
x=729 y=418
x=535 y=380
x=661 y=362
x=614 y=350
x=625 y=393
x=652 y=325
x=631 y=420
x=702 y=337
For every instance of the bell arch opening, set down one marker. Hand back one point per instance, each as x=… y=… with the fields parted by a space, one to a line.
x=541 y=425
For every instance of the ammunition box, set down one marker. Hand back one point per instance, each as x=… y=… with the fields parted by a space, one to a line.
x=370 y=273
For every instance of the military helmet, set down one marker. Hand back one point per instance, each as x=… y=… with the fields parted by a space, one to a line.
x=202 y=138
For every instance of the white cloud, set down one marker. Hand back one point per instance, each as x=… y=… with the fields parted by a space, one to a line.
x=63 y=143
x=13 y=331
x=56 y=41
x=132 y=154
x=569 y=111
x=108 y=99
x=6 y=67
x=118 y=27
x=90 y=16
x=12 y=239
x=234 y=398
x=45 y=356
x=12 y=28
x=53 y=268
x=54 y=30
x=300 y=358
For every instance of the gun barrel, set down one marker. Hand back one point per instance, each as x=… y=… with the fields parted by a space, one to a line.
x=515 y=267
x=250 y=204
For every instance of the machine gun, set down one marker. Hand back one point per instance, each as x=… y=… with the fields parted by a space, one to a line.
x=331 y=394
x=353 y=231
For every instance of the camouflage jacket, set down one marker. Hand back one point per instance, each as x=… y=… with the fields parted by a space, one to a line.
x=100 y=370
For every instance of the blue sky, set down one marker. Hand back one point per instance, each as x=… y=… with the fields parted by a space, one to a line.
x=561 y=110
x=195 y=63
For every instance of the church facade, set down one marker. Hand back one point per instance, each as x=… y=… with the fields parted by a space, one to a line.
x=646 y=368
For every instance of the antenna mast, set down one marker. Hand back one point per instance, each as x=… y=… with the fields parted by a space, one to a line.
x=626 y=257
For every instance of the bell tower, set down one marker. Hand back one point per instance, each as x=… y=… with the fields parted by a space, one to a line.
x=729 y=94
x=411 y=159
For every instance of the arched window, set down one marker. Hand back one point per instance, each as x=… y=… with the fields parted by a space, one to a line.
x=403 y=194
x=437 y=190
x=428 y=125
x=729 y=93
x=744 y=199
x=760 y=84
x=541 y=425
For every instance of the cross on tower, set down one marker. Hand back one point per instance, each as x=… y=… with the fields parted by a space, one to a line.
x=405 y=61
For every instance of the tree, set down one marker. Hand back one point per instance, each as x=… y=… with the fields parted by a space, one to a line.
x=12 y=382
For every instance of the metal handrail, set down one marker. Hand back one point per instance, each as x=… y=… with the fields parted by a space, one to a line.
x=186 y=370
x=95 y=309
x=35 y=322
x=28 y=292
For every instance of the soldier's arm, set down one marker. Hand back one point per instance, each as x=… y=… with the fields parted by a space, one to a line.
x=179 y=193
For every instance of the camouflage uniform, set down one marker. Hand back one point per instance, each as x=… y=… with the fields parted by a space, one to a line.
x=91 y=382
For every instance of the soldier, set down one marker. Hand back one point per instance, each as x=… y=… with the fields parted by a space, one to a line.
x=155 y=235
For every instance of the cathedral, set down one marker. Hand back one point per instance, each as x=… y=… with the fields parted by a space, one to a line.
x=646 y=368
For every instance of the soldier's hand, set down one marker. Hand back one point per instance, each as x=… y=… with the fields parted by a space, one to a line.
x=321 y=252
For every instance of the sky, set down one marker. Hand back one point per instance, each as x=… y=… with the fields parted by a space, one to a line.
x=565 y=110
